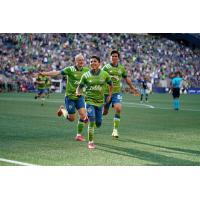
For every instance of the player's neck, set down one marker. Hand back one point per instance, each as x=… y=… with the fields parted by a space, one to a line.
x=95 y=71
x=114 y=64
x=78 y=68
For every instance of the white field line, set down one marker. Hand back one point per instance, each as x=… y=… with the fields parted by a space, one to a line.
x=16 y=162
x=138 y=104
x=126 y=104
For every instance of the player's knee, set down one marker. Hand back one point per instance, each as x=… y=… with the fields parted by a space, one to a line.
x=105 y=112
x=91 y=119
x=98 y=124
x=71 y=118
x=118 y=109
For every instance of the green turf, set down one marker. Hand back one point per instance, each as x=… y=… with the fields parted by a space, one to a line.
x=159 y=136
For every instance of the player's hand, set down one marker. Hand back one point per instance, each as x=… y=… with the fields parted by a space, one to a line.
x=108 y=99
x=78 y=94
x=135 y=92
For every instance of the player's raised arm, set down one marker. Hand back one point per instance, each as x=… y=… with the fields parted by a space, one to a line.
x=51 y=73
x=110 y=88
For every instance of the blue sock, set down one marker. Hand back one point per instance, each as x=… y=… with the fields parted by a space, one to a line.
x=174 y=103
x=178 y=104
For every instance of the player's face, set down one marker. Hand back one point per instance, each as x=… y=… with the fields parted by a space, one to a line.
x=94 y=64
x=80 y=62
x=114 y=58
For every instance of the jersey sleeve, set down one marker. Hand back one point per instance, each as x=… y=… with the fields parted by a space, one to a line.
x=105 y=68
x=108 y=79
x=65 y=71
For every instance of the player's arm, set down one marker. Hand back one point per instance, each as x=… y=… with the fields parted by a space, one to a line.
x=51 y=73
x=110 y=88
x=79 y=89
x=132 y=87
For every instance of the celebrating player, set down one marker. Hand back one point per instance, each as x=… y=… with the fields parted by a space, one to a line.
x=117 y=71
x=94 y=80
x=72 y=102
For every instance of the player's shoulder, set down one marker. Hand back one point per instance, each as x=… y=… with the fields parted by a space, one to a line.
x=120 y=65
x=107 y=66
x=104 y=73
x=67 y=70
x=87 y=74
x=86 y=68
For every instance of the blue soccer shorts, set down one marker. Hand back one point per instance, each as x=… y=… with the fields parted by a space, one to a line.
x=116 y=98
x=95 y=112
x=71 y=105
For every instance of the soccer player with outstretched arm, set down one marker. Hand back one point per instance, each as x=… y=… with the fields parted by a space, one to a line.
x=72 y=102
x=117 y=71
x=94 y=81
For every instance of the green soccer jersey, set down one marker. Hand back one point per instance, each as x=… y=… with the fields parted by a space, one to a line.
x=73 y=78
x=116 y=73
x=94 y=94
x=41 y=79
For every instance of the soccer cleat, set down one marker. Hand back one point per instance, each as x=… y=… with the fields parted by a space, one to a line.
x=35 y=97
x=79 y=138
x=115 y=133
x=59 y=112
x=91 y=145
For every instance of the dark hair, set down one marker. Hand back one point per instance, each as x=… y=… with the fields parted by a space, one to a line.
x=115 y=51
x=96 y=57
x=178 y=73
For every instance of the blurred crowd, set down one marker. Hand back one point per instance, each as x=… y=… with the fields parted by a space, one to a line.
x=142 y=54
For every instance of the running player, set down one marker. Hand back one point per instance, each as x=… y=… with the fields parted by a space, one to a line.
x=117 y=71
x=72 y=102
x=94 y=81
x=40 y=81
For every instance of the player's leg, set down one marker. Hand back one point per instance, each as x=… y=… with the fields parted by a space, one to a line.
x=98 y=116
x=141 y=96
x=177 y=99
x=68 y=112
x=42 y=96
x=117 y=99
x=176 y=94
x=91 y=125
x=116 y=120
x=83 y=119
x=146 y=95
x=106 y=105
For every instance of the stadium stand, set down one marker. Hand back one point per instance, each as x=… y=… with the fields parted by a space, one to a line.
x=23 y=54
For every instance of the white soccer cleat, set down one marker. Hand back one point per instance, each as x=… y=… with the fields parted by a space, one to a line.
x=115 y=133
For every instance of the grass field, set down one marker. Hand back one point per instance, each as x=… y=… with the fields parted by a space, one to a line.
x=150 y=134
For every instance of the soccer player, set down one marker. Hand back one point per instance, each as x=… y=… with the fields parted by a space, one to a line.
x=72 y=102
x=94 y=81
x=117 y=71
x=40 y=81
x=144 y=92
x=176 y=85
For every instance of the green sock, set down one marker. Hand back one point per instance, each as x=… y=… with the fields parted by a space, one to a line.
x=116 y=121
x=91 y=131
x=80 y=127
